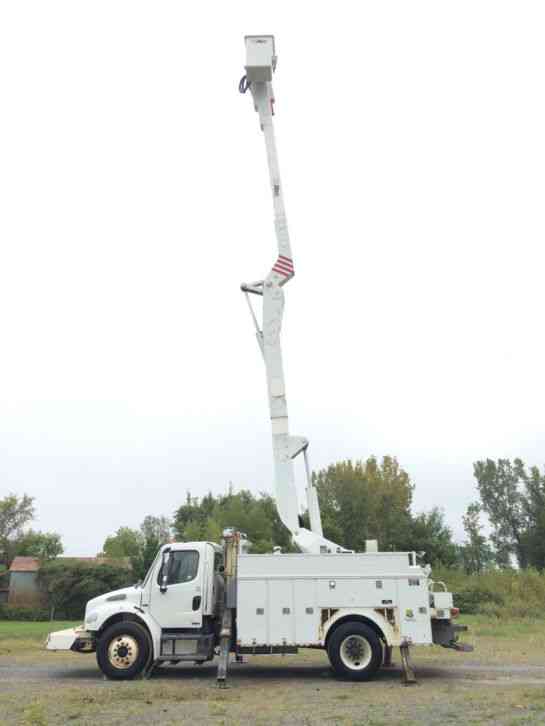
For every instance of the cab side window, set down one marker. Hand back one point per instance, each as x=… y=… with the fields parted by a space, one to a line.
x=182 y=567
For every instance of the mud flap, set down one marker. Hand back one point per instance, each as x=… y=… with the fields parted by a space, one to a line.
x=388 y=663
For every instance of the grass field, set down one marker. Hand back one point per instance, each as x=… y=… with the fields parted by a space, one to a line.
x=15 y=630
x=27 y=637
x=502 y=682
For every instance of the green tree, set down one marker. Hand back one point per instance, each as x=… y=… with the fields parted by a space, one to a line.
x=477 y=554
x=365 y=500
x=534 y=508
x=126 y=542
x=15 y=513
x=193 y=531
x=279 y=534
x=140 y=546
x=501 y=487
x=256 y=516
x=359 y=500
x=244 y=512
x=429 y=533
x=212 y=531
x=156 y=528
x=188 y=514
x=43 y=545
x=141 y=564
x=156 y=531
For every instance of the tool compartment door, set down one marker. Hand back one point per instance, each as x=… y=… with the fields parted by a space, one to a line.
x=307 y=614
x=281 y=612
x=414 y=609
x=252 y=616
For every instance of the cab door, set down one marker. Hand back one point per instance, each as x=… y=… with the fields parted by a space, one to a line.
x=180 y=605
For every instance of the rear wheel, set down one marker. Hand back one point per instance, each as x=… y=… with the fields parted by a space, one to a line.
x=123 y=650
x=355 y=651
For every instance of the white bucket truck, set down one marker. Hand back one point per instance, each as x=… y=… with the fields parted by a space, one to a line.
x=200 y=599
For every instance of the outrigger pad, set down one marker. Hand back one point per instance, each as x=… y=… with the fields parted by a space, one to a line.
x=464 y=647
x=408 y=677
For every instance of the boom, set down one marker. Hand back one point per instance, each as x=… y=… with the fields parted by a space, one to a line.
x=260 y=64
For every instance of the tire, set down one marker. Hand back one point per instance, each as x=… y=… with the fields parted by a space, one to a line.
x=355 y=651
x=123 y=650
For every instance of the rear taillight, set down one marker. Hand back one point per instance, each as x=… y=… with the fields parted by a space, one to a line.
x=454 y=612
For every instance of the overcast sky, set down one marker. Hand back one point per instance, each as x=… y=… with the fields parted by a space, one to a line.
x=134 y=199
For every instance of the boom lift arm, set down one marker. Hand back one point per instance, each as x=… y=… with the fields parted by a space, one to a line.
x=260 y=65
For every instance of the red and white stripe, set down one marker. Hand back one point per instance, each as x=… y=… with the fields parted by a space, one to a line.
x=284 y=266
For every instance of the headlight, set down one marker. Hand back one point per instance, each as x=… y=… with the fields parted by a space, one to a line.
x=91 y=618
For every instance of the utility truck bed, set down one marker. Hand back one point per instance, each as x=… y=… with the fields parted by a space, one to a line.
x=294 y=599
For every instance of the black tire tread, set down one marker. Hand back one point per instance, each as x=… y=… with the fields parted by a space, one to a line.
x=341 y=632
x=127 y=627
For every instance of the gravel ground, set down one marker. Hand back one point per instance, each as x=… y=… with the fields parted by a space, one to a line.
x=53 y=689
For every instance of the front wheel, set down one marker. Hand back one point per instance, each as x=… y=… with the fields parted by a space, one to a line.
x=355 y=651
x=123 y=650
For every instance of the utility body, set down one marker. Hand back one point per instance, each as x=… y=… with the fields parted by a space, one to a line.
x=200 y=599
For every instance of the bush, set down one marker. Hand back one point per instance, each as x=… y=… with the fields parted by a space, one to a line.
x=474 y=598
x=504 y=593
x=20 y=612
x=69 y=584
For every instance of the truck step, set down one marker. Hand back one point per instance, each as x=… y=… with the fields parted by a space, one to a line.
x=186 y=646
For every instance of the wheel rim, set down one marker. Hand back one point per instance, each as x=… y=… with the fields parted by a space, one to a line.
x=123 y=651
x=356 y=652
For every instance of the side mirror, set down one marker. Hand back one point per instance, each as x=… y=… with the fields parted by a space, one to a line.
x=221 y=569
x=163 y=587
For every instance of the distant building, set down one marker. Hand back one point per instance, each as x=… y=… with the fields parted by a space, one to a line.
x=23 y=581
x=4 y=581
x=23 y=577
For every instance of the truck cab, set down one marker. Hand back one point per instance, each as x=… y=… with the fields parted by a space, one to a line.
x=179 y=588
x=172 y=615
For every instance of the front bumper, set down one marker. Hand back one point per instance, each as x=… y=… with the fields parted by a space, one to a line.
x=75 y=639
